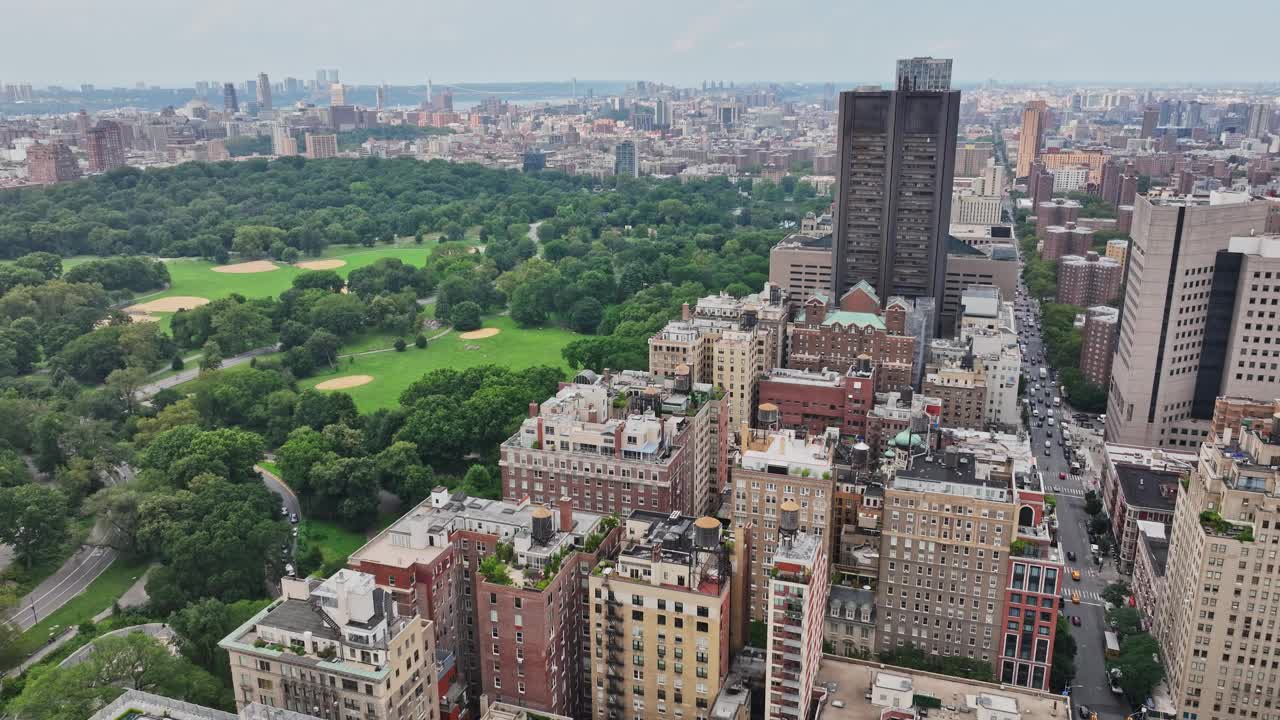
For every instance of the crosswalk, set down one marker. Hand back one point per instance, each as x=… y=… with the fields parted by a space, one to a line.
x=1063 y=490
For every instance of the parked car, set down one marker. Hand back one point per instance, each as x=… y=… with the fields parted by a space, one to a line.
x=293 y=518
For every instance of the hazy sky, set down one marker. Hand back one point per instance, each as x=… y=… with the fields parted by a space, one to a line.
x=679 y=41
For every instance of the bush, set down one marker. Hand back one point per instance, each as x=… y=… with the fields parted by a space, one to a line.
x=465 y=316
x=400 y=345
x=177 y=363
x=421 y=341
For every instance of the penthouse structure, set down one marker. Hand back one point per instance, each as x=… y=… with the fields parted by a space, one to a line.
x=771 y=468
x=796 y=605
x=1217 y=639
x=660 y=619
x=500 y=581
x=824 y=336
x=992 y=264
x=1098 y=344
x=1088 y=280
x=1179 y=349
x=1140 y=485
x=570 y=446
x=812 y=401
x=336 y=649
x=947 y=578
x=962 y=389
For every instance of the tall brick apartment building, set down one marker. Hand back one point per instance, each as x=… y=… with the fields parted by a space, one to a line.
x=622 y=442
x=521 y=642
x=836 y=337
x=1088 y=280
x=1098 y=344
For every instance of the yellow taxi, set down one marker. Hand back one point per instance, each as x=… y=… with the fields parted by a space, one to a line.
x=1075 y=575
x=1075 y=598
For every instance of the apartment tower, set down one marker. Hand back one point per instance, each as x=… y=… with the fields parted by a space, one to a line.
x=1033 y=116
x=796 y=605
x=1217 y=633
x=897 y=152
x=660 y=619
x=1193 y=294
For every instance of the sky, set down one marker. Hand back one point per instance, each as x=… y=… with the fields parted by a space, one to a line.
x=682 y=42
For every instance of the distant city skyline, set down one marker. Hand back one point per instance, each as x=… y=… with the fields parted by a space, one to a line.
x=671 y=42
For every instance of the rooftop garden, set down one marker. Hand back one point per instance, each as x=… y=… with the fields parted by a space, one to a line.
x=1213 y=523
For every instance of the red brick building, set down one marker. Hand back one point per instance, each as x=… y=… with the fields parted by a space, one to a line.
x=1098 y=344
x=815 y=400
x=508 y=641
x=836 y=338
x=1069 y=239
x=51 y=163
x=105 y=144
x=1089 y=280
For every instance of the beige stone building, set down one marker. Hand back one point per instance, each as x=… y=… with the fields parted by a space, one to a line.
x=337 y=650
x=727 y=342
x=660 y=619
x=771 y=468
x=945 y=537
x=963 y=391
x=802 y=265
x=1218 y=636
x=1179 y=349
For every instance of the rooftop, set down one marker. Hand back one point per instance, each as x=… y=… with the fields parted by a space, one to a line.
x=782 y=453
x=802 y=550
x=423 y=533
x=1159 y=550
x=1148 y=488
x=849 y=680
x=845 y=602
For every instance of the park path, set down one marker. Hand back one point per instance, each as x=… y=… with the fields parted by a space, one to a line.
x=135 y=596
x=151 y=388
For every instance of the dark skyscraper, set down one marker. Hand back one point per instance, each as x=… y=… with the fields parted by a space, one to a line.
x=897 y=153
x=229 y=103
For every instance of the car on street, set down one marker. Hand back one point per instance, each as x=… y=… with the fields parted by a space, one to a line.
x=1084 y=711
x=1075 y=575
x=1062 y=476
x=1071 y=555
x=1075 y=620
x=293 y=518
x=1075 y=598
x=284 y=510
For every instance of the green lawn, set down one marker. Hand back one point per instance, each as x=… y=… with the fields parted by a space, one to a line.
x=514 y=347
x=197 y=278
x=335 y=542
x=101 y=593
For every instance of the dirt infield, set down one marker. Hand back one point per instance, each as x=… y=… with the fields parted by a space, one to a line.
x=321 y=264
x=480 y=334
x=255 y=266
x=169 y=304
x=143 y=317
x=342 y=383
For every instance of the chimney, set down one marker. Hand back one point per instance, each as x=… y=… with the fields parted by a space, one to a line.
x=566 y=514
x=685 y=314
x=533 y=409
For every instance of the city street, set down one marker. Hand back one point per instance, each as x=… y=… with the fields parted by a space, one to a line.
x=1090 y=684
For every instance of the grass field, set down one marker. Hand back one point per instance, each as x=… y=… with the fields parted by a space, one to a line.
x=101 y=593
x=335 y=542
x=197 y=278
x=514 y=347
